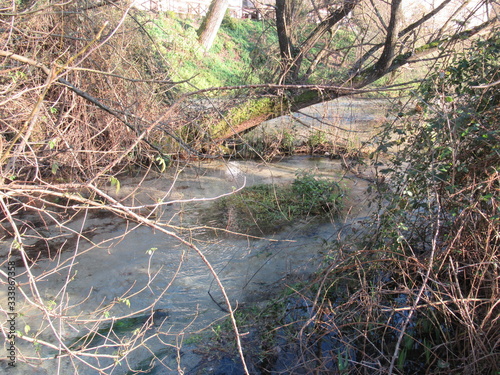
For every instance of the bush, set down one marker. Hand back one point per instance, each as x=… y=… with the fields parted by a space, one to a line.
x=266 y=208
x=419 y=293
x=444 y=213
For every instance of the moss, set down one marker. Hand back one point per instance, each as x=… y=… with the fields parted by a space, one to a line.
x=428 y=46
x=305 y=97
x=249 y=110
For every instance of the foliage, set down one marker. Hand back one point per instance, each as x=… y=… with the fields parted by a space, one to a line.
x=454 y=152
x=420 y=292
x=316 y=139
x=452 y=189
x=446 y=207
x=315 y=195
x=267 y=208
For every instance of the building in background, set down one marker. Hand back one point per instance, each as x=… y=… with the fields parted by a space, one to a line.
x=195 y=7
x=258 y=9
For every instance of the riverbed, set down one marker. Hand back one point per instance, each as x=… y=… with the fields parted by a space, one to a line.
x=100 y=267
x=122 y=268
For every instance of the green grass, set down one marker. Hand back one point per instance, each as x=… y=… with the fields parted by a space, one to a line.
x=231 y=61
x=266 y=208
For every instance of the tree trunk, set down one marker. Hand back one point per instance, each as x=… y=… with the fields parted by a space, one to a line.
x=211 y=24
x=292 y=55
x=283 y=28
x=391 y=38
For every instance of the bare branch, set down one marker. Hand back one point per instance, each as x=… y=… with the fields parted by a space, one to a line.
x=486 y=86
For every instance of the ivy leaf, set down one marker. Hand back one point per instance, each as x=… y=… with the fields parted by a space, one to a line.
x=116 y=183
x=387 y=170
x=55 y=167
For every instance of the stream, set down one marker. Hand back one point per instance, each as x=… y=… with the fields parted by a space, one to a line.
x=124 y=268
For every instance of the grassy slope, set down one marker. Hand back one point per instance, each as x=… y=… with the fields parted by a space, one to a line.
x=233 y=60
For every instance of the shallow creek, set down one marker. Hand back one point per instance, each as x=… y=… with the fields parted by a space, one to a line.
x=145 y=268
x=249 y=268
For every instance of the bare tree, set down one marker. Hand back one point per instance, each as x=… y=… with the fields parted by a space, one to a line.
x=292 y=54
x=393 y=47
x=385 y=40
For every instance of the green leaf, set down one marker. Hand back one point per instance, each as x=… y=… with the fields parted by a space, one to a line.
x=402 y=359
x=126 y=301
x=443 y=364
x=116 y=183
x=52 y=144
x=448 y=99
x=342 y=361
x=163 y=162
x=27 y=328
x=408 y=193
x=51 y=304
x=387 y=170
x=151 y=250
x=55 y=167
x=16 y=245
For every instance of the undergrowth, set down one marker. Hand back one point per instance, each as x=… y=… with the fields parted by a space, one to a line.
x=234 y=58
x=266 y=208
x=420 y=293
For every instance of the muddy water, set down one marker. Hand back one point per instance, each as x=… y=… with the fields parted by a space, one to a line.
x=347 y=122
x=124 y=269
x=173 y=277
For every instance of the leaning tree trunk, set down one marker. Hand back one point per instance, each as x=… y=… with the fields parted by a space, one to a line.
x=211 y=24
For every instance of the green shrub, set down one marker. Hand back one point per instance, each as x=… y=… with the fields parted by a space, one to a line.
x=267 y=208
x=314 y=195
